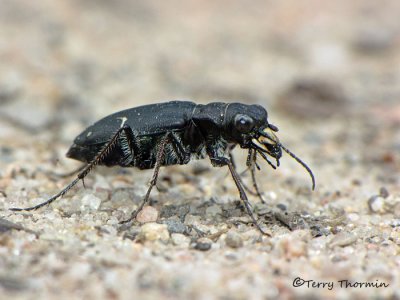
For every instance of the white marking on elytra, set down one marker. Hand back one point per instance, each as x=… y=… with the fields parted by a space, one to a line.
x=89 y=134
x=123 y=119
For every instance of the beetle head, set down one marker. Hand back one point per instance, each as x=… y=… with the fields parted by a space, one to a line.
x=251 y=130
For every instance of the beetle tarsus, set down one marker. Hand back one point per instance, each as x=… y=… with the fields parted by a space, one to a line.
x=50 y=200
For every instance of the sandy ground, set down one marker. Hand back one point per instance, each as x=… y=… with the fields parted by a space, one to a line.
x=329 y=75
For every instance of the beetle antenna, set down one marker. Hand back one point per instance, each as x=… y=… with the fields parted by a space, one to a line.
x=302 y=163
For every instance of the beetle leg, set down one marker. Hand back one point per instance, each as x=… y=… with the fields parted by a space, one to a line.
x=159 y=160
x=182 y=154
x=251 y=164
x=82 y=174
x=129 y=146
x=219 y=161
x=229 y=150
x=243 y=197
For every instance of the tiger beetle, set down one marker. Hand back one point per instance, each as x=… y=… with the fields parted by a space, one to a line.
x=175 y=132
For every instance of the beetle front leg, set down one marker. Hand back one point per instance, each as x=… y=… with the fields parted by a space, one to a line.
x=219 y=161
x=216 y=153
x=252 y=164
x=243 y=197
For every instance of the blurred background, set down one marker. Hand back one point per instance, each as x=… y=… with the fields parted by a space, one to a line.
x=327 y=72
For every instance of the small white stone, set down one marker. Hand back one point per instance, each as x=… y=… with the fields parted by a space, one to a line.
x=179 y=239
x=233 y=239
x=90 y=202
x=342 y=239
x=153 y=232
x=353 y=217
x=79 y=270
x=376 y=204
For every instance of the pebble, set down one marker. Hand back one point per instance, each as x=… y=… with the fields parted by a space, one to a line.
x=281 y=206
x=384 y=192
x=179 y=239
x=79 y=270
x=121 y=197
x=181 y=211
x=90 y=201
x=153 y=232
x=376 y=204
x=353 y=217
x=203 y=244
x=373 y=40
x=342 y=239
x=395 y=223
x=233 y=239
x=214 y=210
x=175 y=226
x=291 y=246
x=147 y=214
x=388 y=248
x=102 y=194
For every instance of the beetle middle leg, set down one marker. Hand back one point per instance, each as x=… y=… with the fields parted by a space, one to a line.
x=159 y=159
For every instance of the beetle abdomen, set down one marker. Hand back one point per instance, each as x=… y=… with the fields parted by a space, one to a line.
x=147 y=123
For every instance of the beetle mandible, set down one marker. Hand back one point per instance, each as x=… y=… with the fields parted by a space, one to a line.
x=171 y=133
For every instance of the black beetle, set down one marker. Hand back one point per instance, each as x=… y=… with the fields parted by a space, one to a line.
x=173 y=133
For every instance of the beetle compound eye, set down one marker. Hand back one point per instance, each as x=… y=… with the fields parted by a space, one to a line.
x=244 y=123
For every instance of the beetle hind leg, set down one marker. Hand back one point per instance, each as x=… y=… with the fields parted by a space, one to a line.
x=100 y=157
